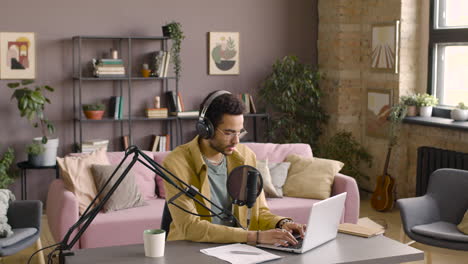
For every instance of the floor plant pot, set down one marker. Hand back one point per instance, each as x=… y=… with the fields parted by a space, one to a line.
x=459 y=114
x=412 y=110
x=94 y=115
x=425 y=111
x=48 y=157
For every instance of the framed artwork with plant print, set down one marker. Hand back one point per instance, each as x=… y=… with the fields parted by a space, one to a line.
x=384 y=47
x=379 y=106
x=223 y=53
x=17 y=55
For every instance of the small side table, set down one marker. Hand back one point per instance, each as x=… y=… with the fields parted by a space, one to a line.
x=24 y=166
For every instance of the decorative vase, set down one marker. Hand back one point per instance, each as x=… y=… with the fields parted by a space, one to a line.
x=48 y=157
x=94 y=115
x=411 y=110
x=459 y=114
x=425 y=111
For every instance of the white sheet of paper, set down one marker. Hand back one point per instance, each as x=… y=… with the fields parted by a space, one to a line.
x=240 y=254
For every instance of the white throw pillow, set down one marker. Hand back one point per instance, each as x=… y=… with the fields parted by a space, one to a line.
x=268 y=187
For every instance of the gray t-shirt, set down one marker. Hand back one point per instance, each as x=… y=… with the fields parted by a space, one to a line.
x=217 y=175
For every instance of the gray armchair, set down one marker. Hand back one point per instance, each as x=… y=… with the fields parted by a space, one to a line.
x=432 y=219
x=25 y=220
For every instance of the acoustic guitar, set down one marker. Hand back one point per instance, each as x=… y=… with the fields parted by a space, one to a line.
x=382 y=199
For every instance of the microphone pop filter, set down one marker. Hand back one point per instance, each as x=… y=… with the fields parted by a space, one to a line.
x=237 y=184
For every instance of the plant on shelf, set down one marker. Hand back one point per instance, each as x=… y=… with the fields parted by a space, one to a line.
x=344 y=147
x=7 y=177
x=411 y=103
x=31 y=104
x=292 y=95
x=174 y=31
x=425 y=103
x=460 y=112
x=34 y=151
x=94 y=111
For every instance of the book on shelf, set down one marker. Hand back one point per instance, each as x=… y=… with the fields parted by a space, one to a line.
x=171 y=101
x=156 y=112
x=162 y=143
x=167 y=59
x=180 y=102
x=125 y=142
x=253 y=109
x=121 y=105
x=95 y=142
x=168 y=142
x=364 y=228
x=193 y=113
x=108 y=61
x=155 y=143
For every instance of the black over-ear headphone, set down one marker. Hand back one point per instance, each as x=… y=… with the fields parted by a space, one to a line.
x=204 y=126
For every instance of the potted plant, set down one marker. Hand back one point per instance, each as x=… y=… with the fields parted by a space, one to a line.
x=94 y=111
x=31 y=103
x=174 y=31
x=292 y=95
x=34 y=150
x=460 y=113
x=411 y=103
x=425 y=103
x=6 y=176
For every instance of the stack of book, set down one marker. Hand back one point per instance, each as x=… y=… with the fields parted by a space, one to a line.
x=156 y=112
x=193 y=113
x=248 y=102
x=116 y=107
x=108 y=68
x=160 y=63
x=174 y=103
x=365 y=227
x=93 y=144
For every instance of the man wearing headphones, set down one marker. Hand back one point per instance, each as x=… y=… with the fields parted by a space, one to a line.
x=205 y=163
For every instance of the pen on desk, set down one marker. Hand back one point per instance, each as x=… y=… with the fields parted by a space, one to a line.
x=244 y=252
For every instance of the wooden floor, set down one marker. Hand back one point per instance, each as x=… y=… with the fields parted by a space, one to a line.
x=389 y=219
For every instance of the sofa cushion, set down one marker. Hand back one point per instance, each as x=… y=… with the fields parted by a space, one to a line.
x=279 y=174
x=125 y=196
x=144 y=177
x=441 y=230
x=159 y=157
x=310 y=177
x=77 y=176
x=123 y=227
x=268 y=187
x=278 y=152
x=18 y=235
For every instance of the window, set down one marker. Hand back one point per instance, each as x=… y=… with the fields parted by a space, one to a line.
x=448 y=51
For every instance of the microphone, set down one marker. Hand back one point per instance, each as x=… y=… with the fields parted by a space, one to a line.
x=251 y=190
x=244 y=185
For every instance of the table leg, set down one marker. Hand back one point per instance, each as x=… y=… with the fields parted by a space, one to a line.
x=57 y=172
x=22 y=184
x=25 y=186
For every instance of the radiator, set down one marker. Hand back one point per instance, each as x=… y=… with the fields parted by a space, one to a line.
x=431 y=159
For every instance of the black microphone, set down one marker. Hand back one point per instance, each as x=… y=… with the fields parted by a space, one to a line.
x=251 y=188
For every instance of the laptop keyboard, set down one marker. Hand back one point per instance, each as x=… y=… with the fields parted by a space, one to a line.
x=298 y=245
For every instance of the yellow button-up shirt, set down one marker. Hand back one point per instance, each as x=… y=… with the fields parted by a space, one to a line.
x=186 y=163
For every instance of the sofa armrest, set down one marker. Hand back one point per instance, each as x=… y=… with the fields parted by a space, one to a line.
x=341 y=184
x=23 y=214
x=62 y=210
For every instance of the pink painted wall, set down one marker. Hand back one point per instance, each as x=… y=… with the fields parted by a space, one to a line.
x=269 y=29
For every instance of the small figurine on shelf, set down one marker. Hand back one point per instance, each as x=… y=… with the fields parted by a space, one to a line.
x=157 y=102
x=145 y=71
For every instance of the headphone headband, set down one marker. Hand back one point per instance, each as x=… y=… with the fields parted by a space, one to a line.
x=208 y=101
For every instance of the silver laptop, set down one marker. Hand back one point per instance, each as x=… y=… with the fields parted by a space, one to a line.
x=322 y=226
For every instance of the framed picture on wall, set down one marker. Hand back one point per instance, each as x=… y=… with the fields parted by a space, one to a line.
x=379 y=105
x=17 y=55
x=223 y=53
x=384 y=47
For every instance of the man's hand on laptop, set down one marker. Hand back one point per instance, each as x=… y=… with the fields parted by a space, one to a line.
x=277 y=237
x=293 y=227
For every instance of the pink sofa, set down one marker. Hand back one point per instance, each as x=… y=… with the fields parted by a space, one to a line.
x=126 y=226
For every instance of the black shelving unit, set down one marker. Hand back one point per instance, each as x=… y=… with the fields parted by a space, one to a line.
x=80 y=76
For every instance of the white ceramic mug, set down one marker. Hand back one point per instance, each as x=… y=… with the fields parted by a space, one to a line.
x=154 y=241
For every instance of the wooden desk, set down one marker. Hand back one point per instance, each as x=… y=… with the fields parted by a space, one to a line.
x=344 y=249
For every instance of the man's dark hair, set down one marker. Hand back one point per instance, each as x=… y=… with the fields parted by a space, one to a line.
x=223 y=104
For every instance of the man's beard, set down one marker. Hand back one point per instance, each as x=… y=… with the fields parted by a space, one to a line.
x=220 y=148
